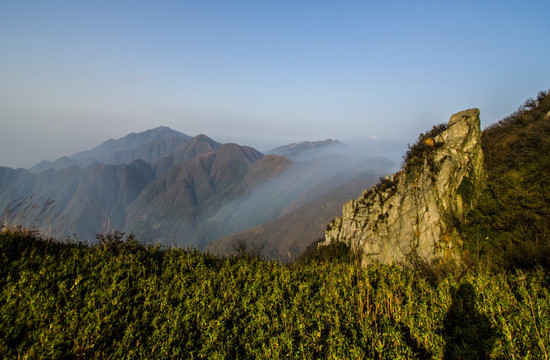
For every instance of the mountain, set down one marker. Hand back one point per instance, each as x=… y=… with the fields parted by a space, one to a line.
x=169 y=188
x=232 y=189
x=86 y=200
x=110 y=148
x=198 y=145
x=91 y=199
x=179 y=201
x=147 y=146
x=308 y=150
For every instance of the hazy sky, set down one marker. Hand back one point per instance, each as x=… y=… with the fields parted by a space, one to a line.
x=261 y=73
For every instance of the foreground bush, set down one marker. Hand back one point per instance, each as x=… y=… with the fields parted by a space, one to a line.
x=120 y=299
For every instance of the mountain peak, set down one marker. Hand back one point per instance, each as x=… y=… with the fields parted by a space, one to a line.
x=145 y=145
x=128 y=142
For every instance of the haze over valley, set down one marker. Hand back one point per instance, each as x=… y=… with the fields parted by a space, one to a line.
x=167 y=187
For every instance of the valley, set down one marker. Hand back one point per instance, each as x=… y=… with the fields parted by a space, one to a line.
x=176 y=190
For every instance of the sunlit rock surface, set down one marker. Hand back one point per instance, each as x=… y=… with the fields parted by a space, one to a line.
x=414 y=214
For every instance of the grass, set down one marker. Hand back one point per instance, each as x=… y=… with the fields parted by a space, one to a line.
x=120 y=299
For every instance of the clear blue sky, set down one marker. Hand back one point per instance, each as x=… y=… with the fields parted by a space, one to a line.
x=261 y=73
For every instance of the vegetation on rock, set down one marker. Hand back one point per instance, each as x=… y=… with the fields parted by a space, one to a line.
x=424 y=146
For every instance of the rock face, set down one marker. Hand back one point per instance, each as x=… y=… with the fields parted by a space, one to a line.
x=414 y=214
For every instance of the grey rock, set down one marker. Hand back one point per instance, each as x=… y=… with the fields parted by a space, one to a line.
x=415 y=213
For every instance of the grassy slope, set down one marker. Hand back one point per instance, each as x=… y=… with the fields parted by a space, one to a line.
x=122 y=300
x=511 y=225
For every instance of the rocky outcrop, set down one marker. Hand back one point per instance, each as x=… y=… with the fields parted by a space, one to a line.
x=415 y=213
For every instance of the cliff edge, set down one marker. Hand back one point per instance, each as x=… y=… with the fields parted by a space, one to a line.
x=415 y=213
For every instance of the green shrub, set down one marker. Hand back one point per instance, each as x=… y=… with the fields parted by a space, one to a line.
x=415 y=155
x=336 y=252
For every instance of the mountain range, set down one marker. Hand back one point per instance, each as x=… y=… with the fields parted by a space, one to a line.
x=170 y=188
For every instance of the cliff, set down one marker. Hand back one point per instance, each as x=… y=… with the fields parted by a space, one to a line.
x=415 y=213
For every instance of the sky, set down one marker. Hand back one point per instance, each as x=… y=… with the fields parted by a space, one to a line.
x=262 y=73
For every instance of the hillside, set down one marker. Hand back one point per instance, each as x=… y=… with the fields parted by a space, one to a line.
x=511 y=225
x=85 y=201
x=181 y=189
x=189 y=193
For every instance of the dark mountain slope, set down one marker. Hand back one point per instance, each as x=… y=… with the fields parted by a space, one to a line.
x=196 y=146
x=9 y=178
x=269 y=168
x=85 y=200
x=190 y=192
x=18 y=184
x=102 y=194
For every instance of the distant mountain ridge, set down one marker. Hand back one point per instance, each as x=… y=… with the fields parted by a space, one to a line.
x=307 y=150
x=147 y=146
x=167 y=187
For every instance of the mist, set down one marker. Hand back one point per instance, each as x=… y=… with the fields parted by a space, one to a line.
x=302 y=183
